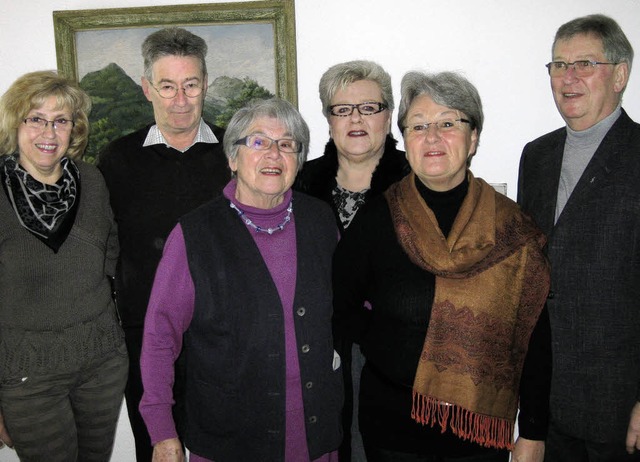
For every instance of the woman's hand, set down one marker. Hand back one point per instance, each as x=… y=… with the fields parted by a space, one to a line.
x=4 y=435
x=168 y=451
x=527 y=451
x=633 y=432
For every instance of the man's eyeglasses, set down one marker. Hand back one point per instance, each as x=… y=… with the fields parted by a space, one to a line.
x=169 y=90
x=59 y=125
x=365 y=109
x=582 y=68
x=264 y=143
x=444 y=125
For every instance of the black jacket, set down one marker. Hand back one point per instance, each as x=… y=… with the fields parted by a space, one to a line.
x=594 y=305
x=318 y=176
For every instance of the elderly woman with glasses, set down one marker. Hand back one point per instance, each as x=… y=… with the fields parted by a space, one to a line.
x=456 y=279
x=63 y=363
x=359 y=162
x=245 y=280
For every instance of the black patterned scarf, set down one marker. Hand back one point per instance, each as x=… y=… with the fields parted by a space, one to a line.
x=47 y=211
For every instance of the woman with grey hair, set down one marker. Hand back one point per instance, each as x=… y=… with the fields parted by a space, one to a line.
x=245 y=282
x=360 y=161
x=457 y=281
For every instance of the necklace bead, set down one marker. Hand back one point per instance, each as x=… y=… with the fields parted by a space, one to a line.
x=260 y=229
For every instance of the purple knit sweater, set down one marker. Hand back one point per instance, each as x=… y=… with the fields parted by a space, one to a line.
x=170 y=312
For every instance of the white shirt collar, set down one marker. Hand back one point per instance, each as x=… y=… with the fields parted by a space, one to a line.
x=204 y=135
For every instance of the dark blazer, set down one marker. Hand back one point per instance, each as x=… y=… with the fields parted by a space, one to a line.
x=594 y=303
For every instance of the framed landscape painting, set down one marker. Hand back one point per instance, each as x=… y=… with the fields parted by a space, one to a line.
x=252 y=54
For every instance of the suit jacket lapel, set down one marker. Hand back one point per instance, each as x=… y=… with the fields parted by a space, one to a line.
x=550 y=179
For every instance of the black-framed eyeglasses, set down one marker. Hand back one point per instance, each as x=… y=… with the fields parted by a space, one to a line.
x=444 y=125
x=59 y=125
x=365 y=109
x=170 y=90
x=264 y=143
x=583 y=67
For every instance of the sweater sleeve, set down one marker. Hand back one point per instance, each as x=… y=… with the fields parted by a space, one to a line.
x=169 y=314
x=535 y=383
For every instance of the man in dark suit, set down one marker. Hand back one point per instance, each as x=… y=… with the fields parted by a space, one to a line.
x=155 y=175
x=581 y=184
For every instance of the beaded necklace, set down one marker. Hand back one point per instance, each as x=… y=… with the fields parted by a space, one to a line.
x=260 y=229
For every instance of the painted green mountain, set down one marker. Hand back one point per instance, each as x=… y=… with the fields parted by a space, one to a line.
x=120 y=107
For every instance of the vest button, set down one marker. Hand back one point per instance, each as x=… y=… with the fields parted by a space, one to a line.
x=301 y=311
x=313 y=419
x=551 y=295
x=309 y=385
x=305 y=348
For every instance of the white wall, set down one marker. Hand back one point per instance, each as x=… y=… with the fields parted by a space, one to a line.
x=500 y=45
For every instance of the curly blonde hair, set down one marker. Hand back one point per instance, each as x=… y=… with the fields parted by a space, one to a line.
x=31 y=91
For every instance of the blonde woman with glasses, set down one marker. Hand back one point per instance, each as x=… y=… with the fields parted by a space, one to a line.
x=63 y=362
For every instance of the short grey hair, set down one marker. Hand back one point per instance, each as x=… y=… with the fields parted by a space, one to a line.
x=172 y=41
x=341 y=75
x=448 y=89
x=273 y=108
x=617 y=48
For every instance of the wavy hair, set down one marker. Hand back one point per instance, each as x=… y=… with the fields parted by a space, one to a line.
x=30 y=92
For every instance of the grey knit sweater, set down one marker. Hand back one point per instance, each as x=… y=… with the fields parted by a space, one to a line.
x=56 y=309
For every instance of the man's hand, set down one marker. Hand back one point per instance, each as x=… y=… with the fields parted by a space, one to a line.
x=527 y=451
x=168 y=451
x=4 y=435
x=633 y=432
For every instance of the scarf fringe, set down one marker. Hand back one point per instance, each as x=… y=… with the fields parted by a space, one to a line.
x=485 y=430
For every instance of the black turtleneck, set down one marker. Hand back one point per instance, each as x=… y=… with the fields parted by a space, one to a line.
x=371 y=265
x=444 y=204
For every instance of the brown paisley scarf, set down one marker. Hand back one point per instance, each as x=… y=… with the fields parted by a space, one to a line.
x=492 y=280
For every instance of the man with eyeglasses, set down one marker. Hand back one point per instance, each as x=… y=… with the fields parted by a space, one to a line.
x=581 y=184
x=155 y=175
